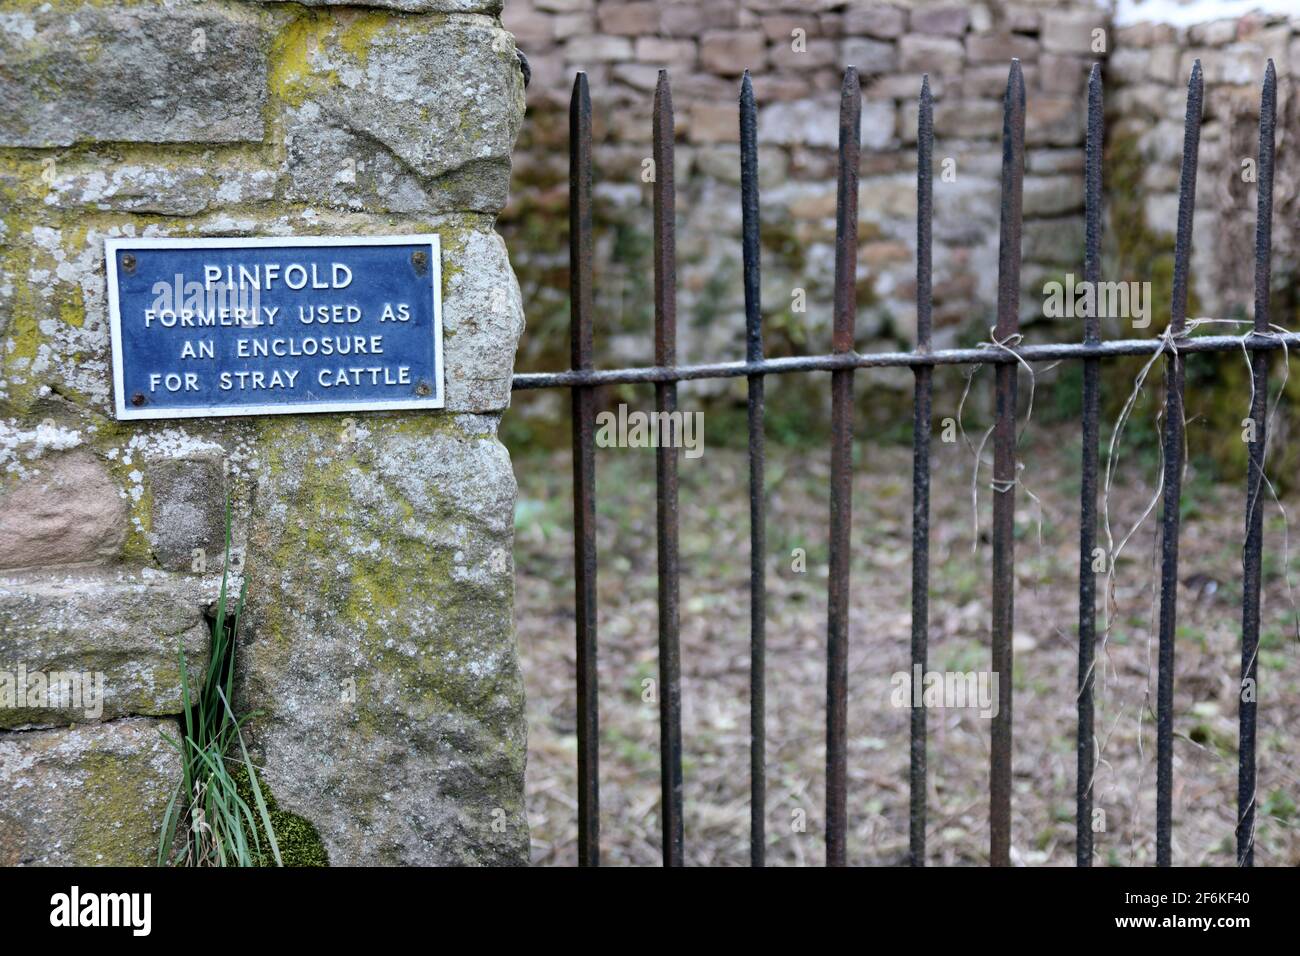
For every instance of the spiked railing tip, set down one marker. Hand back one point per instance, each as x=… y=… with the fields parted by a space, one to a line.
x=1015 y=82
x=662 y=85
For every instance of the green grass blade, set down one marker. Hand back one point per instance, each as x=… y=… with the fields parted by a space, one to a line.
x=257 y=794
x=168 y=837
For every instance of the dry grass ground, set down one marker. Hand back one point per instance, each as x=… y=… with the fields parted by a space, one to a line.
x=715 y=662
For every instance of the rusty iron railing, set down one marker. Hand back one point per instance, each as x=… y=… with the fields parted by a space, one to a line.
x=842 y=361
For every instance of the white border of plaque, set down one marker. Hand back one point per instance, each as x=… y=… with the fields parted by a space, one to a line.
x=124 y=412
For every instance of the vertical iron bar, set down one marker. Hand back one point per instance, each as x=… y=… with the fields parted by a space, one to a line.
x=1088 y=494
x=841 y=516
x=1004 y=463
x=670 y=690
x=1173 y=477
x=1252 y=555
x=921 y=396
x=584 y=471
x=757 y=517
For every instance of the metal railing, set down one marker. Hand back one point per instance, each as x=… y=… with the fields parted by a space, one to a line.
x=1006 y=354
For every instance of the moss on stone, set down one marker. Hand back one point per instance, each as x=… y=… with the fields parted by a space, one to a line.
x=111 y=816
x=299 y=841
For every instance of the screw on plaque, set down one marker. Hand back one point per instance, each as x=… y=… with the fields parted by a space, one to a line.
x=423 y=389
x=137 y=399
x=128 y=262
x=420 y=260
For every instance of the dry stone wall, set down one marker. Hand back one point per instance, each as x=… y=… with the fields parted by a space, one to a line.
x=1147 y=81
x=378 y=641
x=795 y=50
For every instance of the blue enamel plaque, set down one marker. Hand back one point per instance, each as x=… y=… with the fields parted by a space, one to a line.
x=210 y=327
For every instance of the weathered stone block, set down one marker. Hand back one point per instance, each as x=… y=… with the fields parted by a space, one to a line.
x=90 y=796
x=531 y=28
x=924 y=54
x=691 y=19
x=884 y=23
x=712 y=123
x=722 y=163
x=1127 y=65
x=947 y=20
x=731 y=52
x=65 y=509
x=1238 y=63
x=1215 y=33
x=1062 y=74
x=800 y=122
x=147 y=73
x=812 y=54
x=482 y=319
x=967 y=210
x=564 y=6
x=188 y=503
x=380 y=645
x=959 y=119
x=661 y=51
x=581 y=23
x=1071 y=31
x=1021 y=17
x=784 y=27
x=121 y=632
x=1144 y=34
x=597 y=49
x=168 y=190
x=643 y=76
x=870 y=56
x=628 y=19
x=1045 y=161
x=902 y=86
x=992 y=80
x=1000 y=48
x=879 y=125
x=384 y=125
x=335 y=167
x=1052 y=195
x=1054 y=241
x=1054 y=120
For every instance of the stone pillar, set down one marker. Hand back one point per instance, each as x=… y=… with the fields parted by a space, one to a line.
x=378 y=641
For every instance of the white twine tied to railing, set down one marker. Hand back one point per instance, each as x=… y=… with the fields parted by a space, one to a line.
x=997 y=485
x=1168 y=344
x=1169 y=340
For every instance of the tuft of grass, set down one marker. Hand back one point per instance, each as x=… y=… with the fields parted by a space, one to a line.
x=209 y=810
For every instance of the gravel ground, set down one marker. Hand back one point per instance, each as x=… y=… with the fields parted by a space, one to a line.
x=715 y=662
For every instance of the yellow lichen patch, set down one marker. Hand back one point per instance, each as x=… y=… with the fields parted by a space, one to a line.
x=357 y=29
x=291 y=75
